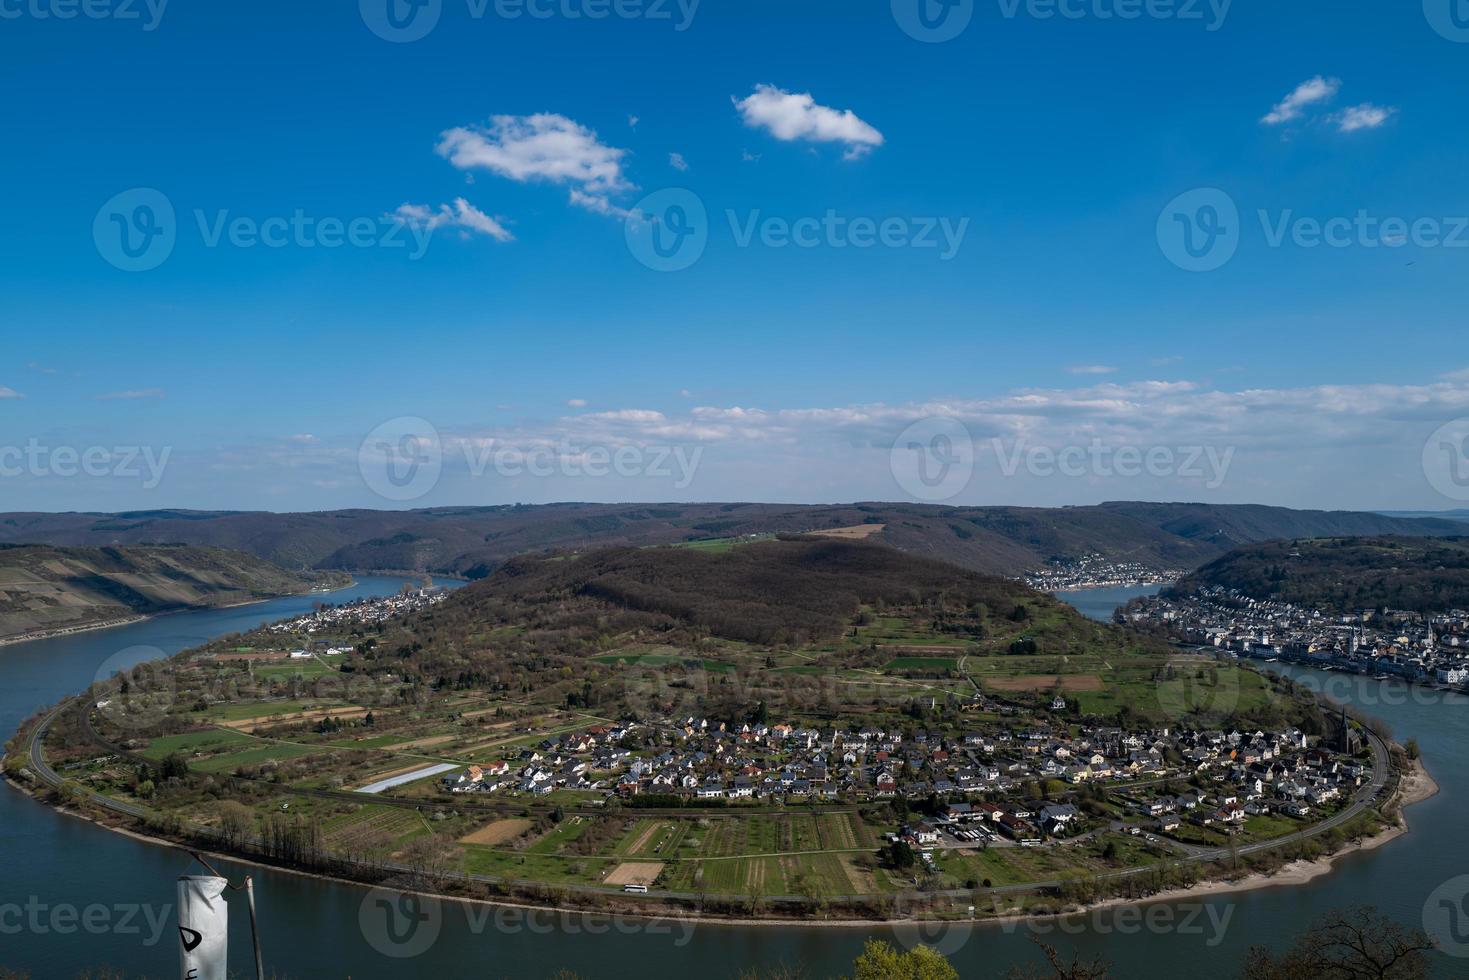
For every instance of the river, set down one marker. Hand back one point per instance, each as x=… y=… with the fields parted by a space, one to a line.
x=55 y=867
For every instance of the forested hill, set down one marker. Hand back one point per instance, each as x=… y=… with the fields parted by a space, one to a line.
x=792 y=592
x=44 y=588
x=1347 y=574
x=473 y=541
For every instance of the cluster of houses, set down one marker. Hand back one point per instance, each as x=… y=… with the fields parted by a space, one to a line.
x=1411 y=646
x=985 y=782
x=1096 y=572
x=362 y=611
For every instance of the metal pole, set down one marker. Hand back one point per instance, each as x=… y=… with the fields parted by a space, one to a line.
x=254 y=929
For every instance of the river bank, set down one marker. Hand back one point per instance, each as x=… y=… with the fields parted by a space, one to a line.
x=60 y=632
x=1415 y=786
x=314 y=926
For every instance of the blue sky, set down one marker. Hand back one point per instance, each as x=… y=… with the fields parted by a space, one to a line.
x=1058 y=319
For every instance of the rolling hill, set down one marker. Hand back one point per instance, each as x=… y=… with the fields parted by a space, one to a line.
x=44 y=588
x=473 y=541
x=1346 y=574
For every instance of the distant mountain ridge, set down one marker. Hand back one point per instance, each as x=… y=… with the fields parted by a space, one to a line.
x=474 y=541
x=45 y=588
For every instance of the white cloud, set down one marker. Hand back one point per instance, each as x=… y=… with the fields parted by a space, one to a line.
x=1091 y=369
x=542 y=147
x=576 y=403
x=137 y=395
x=677 y=162
x=597 y=204
x=749 y=157
x=461 y=215
x=9 y=393
x=1308 y=93
x=1364 y=116
x=1303 y=447
x=632 y=122
x=790 y=116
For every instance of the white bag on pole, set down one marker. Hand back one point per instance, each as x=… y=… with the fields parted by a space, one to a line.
x=204 y=921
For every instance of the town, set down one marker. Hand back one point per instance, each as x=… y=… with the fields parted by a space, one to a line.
x=363 y=612
x=1008 y=788
x=1096 y=572
x=1423 y=649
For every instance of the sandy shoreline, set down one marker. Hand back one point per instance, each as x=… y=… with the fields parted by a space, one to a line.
x=1417 y=785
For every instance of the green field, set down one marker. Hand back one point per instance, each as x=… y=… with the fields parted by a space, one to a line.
x=271 y=752
x=214 y=739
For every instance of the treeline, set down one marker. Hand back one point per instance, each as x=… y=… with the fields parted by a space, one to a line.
x=1424 y=575
x=792 y=591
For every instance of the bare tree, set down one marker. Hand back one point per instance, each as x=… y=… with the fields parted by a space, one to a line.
x=1348 y=944
x=1097 y=969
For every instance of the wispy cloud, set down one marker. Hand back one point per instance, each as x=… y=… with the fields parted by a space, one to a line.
x=40 y=368
x=461 y=214
x=1364 y=116
x=677 y=162
x=543 y=147
x=1091 y=369
x=1308 y=93
x=791 y=116
x=576 y=403
x=7 y=393
x=135 y=395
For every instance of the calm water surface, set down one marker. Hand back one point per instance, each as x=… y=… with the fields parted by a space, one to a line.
x=312 y=928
